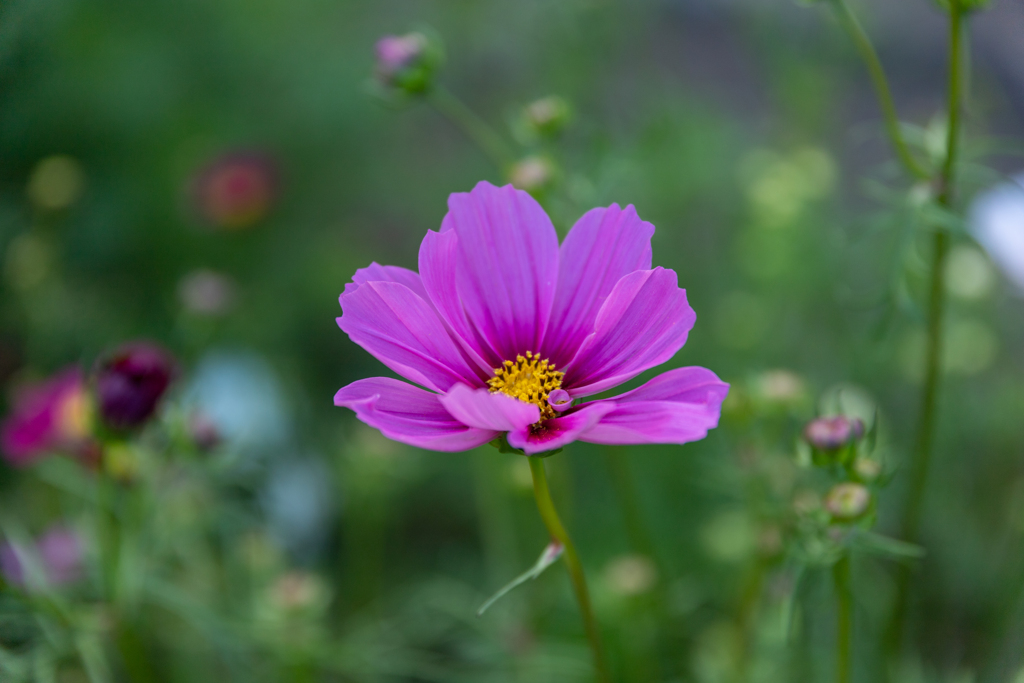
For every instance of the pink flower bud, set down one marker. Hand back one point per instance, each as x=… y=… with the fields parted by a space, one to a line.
x=832 y=433
x=236 y=190
x=130 y=383
x=408 y=63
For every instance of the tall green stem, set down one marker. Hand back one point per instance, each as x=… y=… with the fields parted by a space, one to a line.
x=475 y=128
x=546 y=507
x=881 y=85
x=844 y=619
x=936 y=301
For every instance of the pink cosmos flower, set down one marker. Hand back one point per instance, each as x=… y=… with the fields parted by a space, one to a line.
x=53 y=415
x=507 y=331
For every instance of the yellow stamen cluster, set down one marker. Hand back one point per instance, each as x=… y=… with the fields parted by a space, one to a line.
x=529 y=379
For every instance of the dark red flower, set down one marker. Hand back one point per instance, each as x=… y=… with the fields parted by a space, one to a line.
x=130 y=383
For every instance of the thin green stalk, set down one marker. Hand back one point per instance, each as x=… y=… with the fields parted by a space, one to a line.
x=546 y=507
x=844 y=619
x=936 y=304
x=475 y=128
x=882 y=91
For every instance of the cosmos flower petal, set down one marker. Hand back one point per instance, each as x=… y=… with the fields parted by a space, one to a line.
x=485 y=410
x=677 y=406
x=560 y=431
x=378 y=273
x=438 y=256
x=603 y=246
x=403 y=331
x=507 y=266
x=409 y=414
x=641 y=324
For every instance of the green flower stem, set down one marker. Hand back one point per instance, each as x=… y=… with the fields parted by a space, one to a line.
x=475 y=128
x=844 y=618
x=572 y=561
x=882 y=91
x=936 y=304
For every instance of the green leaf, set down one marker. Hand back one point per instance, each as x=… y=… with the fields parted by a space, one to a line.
x=884 y=546
x=547 y=558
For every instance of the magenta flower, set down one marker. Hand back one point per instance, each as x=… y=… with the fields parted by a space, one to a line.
x=55 y=415
x=497 y=306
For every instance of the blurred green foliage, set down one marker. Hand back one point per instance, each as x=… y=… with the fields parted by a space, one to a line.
x=305 y=547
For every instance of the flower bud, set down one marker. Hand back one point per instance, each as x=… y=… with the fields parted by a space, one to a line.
x=408 y=63
x=206 y=292
x=533 y=174
x=547 y=117
x=236 y=190
x=130 y=383
x=56 y=183
x=867 y=469
x=121 y=462
x=203 y=432
x=832 y=433
x=847 y=501
x=631 y=574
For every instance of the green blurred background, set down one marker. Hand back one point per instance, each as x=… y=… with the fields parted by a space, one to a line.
x=745 y=130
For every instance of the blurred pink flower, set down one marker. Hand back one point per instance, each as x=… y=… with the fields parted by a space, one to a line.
x=497 y=306
x=236 y=190
x=55 y=415
x=60 y=551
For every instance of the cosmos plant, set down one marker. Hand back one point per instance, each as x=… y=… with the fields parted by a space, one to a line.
x=508 y=333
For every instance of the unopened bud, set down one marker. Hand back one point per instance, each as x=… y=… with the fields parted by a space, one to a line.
x=203 y=431
x=631 y=574
x=848 y=501
x=867 y=469
x=121 y=462
x=56 y=183
x=832 y=433
x=408 y=63
x=547 y=117
x=130 y=383
x=236 y=190
x=533 y=174
x=206 y=292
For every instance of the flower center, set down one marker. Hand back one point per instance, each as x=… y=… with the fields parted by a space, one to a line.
x=529 y=379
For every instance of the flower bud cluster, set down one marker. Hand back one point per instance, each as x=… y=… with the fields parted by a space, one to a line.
x=837 y=444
